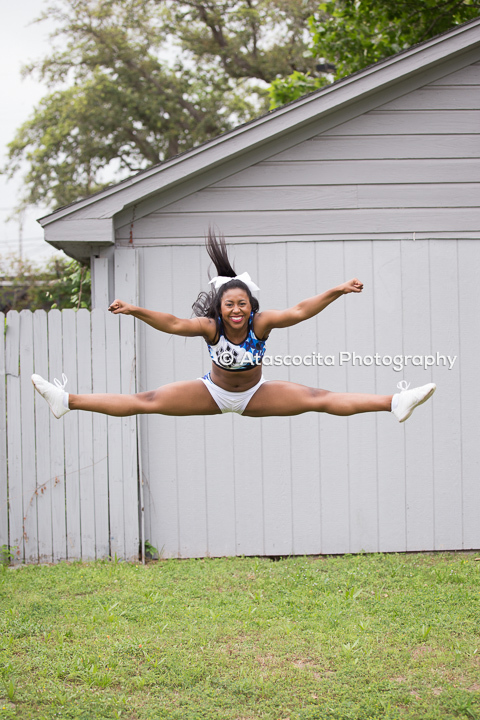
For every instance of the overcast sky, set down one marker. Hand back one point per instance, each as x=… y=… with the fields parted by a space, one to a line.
x=21 y=42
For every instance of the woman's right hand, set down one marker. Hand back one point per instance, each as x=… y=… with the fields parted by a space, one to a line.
x=118 y=306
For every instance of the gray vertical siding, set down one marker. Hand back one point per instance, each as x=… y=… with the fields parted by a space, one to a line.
x=469 y=344
x=317 y=483
x=395 y=191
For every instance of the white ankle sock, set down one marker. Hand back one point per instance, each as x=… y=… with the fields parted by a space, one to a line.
x=394 y=401
x=65 y=400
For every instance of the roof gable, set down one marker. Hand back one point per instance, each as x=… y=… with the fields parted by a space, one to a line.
x=264 y=136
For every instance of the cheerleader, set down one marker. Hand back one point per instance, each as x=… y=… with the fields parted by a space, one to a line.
x=235 y=331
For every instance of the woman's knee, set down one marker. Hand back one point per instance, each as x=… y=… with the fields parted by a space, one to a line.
x=319 y=399
x=312 y=400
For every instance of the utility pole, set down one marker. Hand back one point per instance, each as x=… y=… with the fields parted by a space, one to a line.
x=21 y=221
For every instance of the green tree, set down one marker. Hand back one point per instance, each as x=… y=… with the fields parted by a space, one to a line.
x=350 y=35
x=62 y=283
x=118 y=101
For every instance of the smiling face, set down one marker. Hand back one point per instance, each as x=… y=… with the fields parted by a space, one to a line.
x=235 y=308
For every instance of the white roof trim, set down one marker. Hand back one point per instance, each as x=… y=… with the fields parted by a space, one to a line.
x=458 y=41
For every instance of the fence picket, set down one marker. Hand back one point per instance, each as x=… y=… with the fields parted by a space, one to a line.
x=85 y=440
x=14 y=436
x=100 y=440
x=3 y=442
x=129 y=438
x=44 y=480
x=114 y=424
x=72 y=480
x=30 y=532
x=57 y=451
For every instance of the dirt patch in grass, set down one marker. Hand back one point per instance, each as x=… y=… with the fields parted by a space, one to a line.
x=325 y=675
x=267 y=660
x=301 y=663
x=421 y=651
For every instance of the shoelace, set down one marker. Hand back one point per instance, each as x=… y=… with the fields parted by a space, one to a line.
x=59 y=384
x=403 y=385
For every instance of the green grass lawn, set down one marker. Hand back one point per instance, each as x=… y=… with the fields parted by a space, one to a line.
x=366 y=636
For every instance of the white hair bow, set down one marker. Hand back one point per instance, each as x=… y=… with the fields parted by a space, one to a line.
x=244 y=277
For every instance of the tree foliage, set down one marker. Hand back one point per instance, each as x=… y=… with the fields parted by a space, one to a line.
x=118 y=102
x=61 y=283
x=350 y=35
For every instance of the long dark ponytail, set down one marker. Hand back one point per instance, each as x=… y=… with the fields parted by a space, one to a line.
x=208 y=304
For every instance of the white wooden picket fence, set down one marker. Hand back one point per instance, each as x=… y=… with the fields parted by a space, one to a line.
x=69 y=487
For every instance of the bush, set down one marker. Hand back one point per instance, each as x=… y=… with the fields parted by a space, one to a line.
x=61 y=283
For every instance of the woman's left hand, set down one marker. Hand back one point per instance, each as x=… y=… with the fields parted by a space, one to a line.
x=352 y=286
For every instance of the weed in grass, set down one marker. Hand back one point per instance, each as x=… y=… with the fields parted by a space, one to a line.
x=351 y=593
x=151 y=551
x=61 y=697
x=425 y=632
x=349 y=650
x=10 y=689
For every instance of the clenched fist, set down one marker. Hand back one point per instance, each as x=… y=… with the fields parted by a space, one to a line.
x=118 y=306
x=352 y=286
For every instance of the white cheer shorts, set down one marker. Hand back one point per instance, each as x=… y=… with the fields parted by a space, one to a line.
x=230 y=401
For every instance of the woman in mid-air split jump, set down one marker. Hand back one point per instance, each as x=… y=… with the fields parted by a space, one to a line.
x=229 y=320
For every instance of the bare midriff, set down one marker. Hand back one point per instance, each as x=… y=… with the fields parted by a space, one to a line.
x=235 y=381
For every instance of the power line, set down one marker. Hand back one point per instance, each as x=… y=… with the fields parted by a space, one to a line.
x=10 y=240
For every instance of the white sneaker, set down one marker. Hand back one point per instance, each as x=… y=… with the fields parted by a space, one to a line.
x=53 y=394
x=409 y=399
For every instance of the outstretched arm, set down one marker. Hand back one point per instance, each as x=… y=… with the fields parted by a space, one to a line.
x=193 y=327
x=269 y=319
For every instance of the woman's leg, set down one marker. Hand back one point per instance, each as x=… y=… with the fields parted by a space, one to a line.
x=180 y=398
x=285 y=398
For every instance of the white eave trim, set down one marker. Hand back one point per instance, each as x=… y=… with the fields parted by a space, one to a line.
x=460 y=40
x=96 y=231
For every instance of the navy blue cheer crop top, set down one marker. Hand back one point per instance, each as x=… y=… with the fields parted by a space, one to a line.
x=229 y=356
